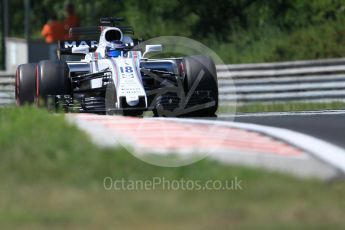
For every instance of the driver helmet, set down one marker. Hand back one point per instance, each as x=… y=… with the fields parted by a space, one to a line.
x=114 y=48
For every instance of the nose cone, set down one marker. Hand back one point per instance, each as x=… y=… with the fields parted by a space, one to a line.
x=132 y=100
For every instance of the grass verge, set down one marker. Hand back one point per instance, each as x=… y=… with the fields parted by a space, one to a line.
x=52 y=177
x=281 y=107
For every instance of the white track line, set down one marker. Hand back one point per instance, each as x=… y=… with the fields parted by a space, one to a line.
x=320 y=149
x=301 y=113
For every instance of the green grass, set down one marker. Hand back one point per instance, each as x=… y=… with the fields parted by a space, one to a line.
x=51 y=177
x=281 y=107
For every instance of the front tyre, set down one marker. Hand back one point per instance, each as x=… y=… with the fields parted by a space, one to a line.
x=201 y=86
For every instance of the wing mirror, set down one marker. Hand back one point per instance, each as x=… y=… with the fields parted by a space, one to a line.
x=81 y=49
x=152 y=48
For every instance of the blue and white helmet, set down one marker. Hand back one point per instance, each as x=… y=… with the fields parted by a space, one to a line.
x=114 y=48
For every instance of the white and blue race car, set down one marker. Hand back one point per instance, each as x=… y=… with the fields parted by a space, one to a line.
x=114 y=76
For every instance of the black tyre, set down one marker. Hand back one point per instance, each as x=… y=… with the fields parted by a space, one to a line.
x=52 y=79
x=25 y=84
x=201 y=86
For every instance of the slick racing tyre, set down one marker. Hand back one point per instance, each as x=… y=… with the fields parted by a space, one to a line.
x=25 y=84
x=201 y=86
x=52 y=78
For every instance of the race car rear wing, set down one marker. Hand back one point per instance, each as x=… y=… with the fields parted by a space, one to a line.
x=73 y=47
x=68 y=47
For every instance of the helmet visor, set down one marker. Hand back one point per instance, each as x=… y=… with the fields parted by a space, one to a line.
x=114 y=53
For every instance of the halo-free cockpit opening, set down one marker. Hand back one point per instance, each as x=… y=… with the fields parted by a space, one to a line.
x=113 y=35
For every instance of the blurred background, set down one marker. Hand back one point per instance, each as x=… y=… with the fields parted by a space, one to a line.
x=239 y=31
x=51 y=174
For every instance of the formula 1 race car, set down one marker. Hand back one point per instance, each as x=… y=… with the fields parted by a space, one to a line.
x=114 y=76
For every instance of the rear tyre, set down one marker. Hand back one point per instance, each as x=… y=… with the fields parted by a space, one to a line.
x=201 y=85
x=52 y=78
x=25 y=84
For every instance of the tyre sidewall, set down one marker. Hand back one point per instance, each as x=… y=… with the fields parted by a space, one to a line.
x=52 y=78
x=25 y=84
x=205 y=67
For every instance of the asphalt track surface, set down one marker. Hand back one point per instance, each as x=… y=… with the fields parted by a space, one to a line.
x=328 y=126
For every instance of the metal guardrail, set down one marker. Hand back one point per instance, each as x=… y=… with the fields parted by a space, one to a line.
x=7 y=88
x=316 y=80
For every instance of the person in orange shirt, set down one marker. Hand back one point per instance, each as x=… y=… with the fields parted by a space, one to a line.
x=72 y=19
x=53 y=30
